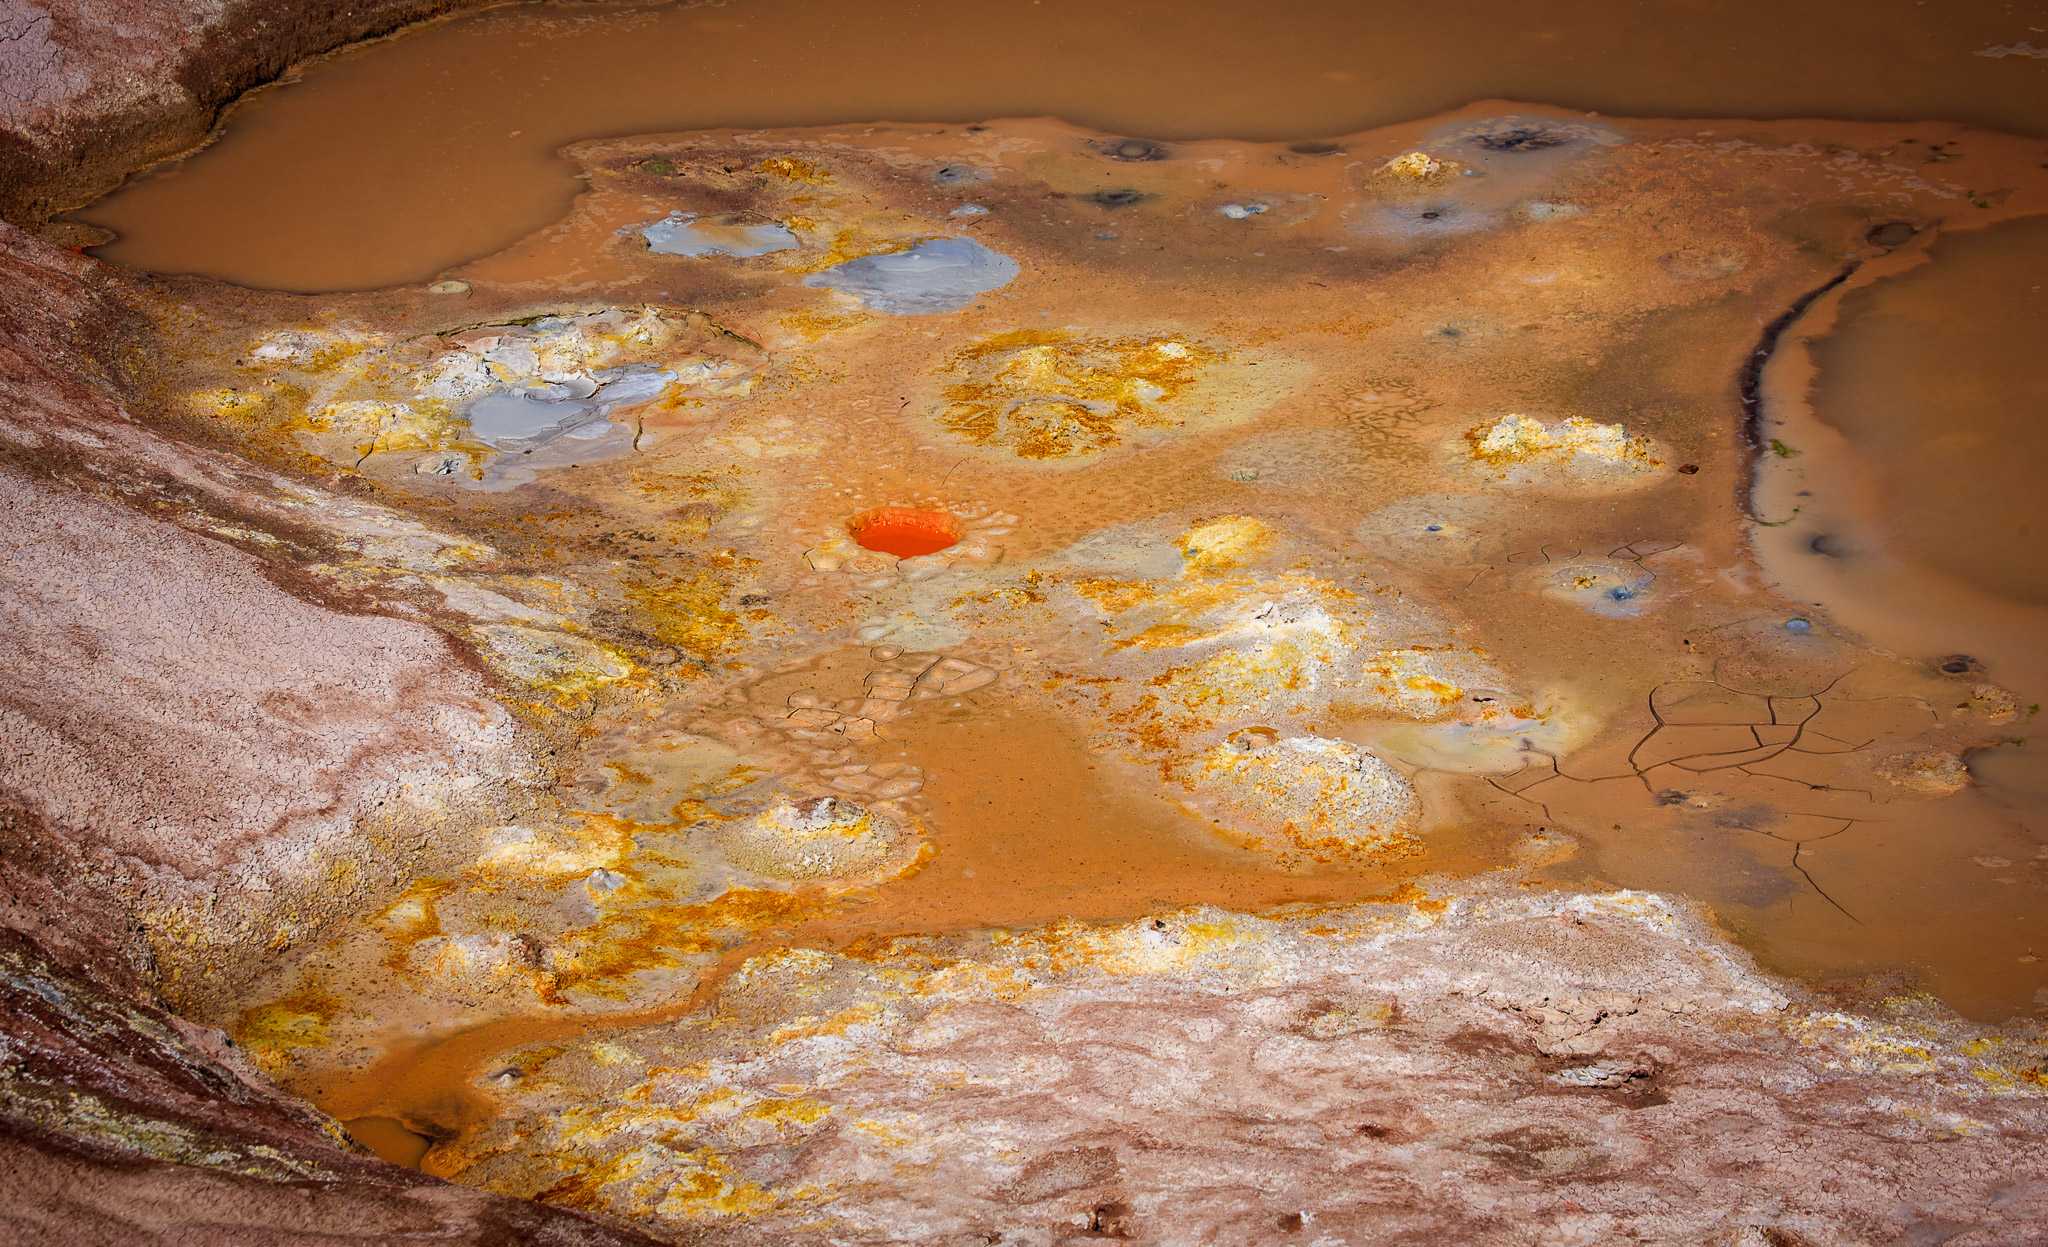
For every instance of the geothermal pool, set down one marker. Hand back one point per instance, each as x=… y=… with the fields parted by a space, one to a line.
x=946 y=557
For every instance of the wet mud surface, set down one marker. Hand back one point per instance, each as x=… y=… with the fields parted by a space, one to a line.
x=1352 y=530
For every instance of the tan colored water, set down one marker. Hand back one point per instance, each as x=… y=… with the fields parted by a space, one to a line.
x=1934 y=378
x=1715 y=743
x=391 y=163
x=1904 y=494
x=388 y=1138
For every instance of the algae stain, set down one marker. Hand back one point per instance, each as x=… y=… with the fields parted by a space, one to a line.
x=687 y=610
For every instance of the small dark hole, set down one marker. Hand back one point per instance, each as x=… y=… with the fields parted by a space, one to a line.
x=1115 y=199
x=1689 y=469
x=1890 y=234
x=1111 y=1220
x=1523 y=139
x=1315 y=149
x=1431 y=215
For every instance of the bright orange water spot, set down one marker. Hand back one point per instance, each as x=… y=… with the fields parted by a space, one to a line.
x=905 y=531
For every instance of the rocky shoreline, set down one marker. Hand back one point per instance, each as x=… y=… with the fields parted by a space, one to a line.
x=122 y=1123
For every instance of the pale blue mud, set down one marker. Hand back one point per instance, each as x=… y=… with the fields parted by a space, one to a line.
x=942 y=275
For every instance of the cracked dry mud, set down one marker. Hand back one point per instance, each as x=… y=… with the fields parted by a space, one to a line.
x=1265 y=822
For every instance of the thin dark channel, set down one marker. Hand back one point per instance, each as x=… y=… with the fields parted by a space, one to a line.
x=1749 y=382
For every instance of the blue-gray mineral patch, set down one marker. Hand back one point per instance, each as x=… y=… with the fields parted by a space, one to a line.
x=529 y=412
x=942 y=275
x=1618 y=589
x=689 y=234
x=522 y=419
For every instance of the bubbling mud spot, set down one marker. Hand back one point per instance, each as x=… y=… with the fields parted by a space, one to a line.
x=1135 y=150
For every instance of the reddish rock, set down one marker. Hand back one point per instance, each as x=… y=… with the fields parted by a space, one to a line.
x=130 y=749
x=92 y=89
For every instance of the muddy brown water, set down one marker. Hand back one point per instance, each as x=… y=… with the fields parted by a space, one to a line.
x=1919 y=376
x=389 y=163
x=436 y=154
x=1899 y=483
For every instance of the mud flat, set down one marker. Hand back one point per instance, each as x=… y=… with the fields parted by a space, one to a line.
x=1325 y=530
x=1008 y=683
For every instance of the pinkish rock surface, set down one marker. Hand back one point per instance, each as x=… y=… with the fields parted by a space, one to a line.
x=176 y=725
x=1503 y=1070
x=131 y=760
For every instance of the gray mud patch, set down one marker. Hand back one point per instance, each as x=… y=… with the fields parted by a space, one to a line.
x=731 y=235
x=942 y=275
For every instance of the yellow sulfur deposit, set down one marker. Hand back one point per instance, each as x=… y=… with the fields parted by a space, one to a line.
x=1055 y=394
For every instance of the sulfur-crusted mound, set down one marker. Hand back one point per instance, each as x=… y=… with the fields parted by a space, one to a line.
x=818 y=838
x=1573 y=454
x=1306 y=796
